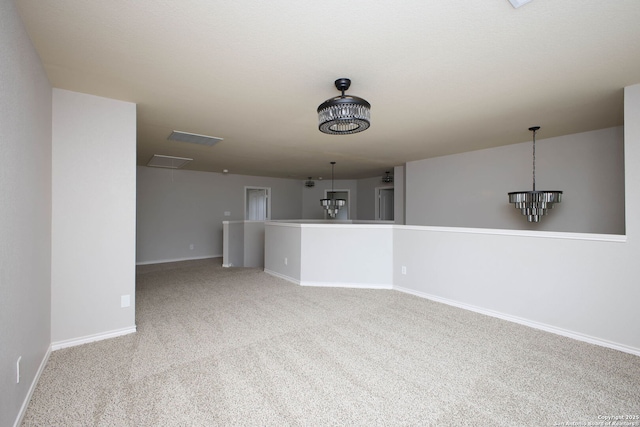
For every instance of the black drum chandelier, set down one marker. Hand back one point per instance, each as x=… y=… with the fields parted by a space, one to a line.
x=344 y=114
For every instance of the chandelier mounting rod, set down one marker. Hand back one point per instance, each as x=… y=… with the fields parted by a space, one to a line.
x=534 y=129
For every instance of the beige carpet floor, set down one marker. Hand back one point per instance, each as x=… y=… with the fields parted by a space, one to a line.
x=227 y=347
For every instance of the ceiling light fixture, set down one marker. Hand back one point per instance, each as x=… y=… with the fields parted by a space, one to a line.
x=534 y=204
x=387 y=178
x=310 y=183
x=344 y=114
x=332 y=205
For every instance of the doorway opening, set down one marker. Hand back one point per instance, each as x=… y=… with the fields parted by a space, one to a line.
x=257 y=203
x=384 y=204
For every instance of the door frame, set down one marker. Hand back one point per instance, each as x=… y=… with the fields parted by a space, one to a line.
x=268 y=202
x=377 y=201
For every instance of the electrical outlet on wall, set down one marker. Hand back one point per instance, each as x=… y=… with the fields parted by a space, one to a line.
x=404 y=269
x=125 y=301
x=191 y=247
x=286 y=261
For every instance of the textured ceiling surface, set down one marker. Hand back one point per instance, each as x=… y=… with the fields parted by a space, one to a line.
x=442 y=77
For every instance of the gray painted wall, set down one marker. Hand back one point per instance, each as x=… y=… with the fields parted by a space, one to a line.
x=580 y=285
x=25 y=213
x=399 y=194
x=178 y=208
x=283 y=241
x=366 y=197
x=93 y=215
x=470 y=189
x=233 y=244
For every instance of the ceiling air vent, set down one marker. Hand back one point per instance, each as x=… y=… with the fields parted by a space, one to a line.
x=518 y=3
x=171 y=162
x=193 y=138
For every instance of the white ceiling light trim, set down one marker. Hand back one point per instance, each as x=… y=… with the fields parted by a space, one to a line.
x=518 y=3
x=193 y=138
x=169 y=162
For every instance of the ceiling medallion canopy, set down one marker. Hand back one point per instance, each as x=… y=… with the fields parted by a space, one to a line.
x=534 y=204
x=344 y=114
x=331 y=204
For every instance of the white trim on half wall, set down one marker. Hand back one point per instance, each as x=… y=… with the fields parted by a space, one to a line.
x=525 y=322
x=91 y=338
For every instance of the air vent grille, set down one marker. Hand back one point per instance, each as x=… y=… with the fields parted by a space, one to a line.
x=193 y=138
x=518 y=3
x=170 y=162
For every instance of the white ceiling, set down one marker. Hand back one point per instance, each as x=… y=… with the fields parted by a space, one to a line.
x=442 y=77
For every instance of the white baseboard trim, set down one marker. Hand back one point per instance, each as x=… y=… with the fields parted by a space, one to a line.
x=163 y=261
x=532 y=324
x=329 y=284
x=282 y=276
x=91 y=338
x=346 y=285
x=32 y=387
